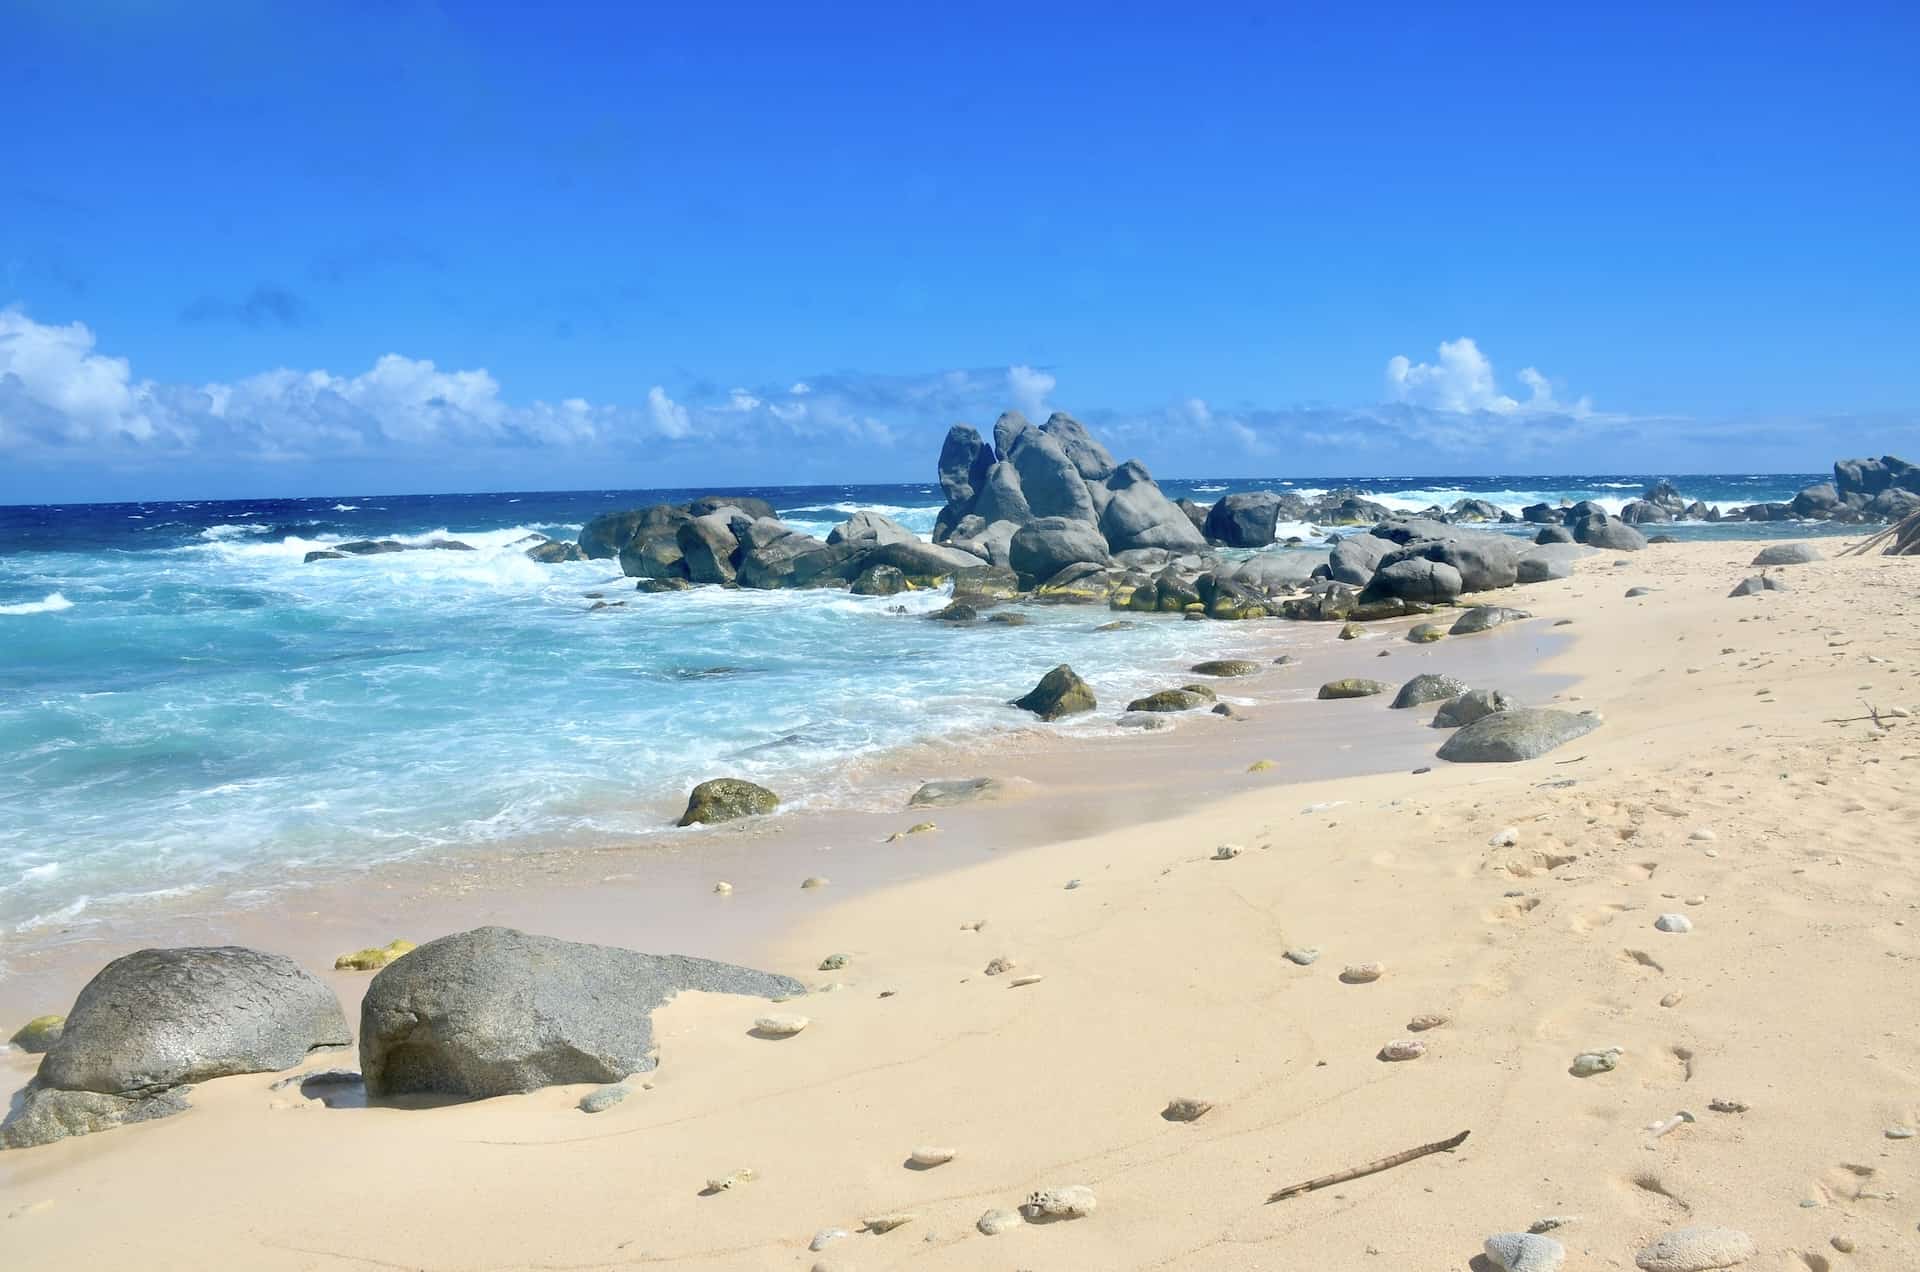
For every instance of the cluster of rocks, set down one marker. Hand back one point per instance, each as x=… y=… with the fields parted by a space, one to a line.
x=381 y=547
x=482 y=1013
x=1884 y=489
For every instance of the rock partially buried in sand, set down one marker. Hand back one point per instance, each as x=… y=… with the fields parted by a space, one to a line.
x=1588 y=1063
x=995 y=1222
x=1303 y=955
x=888 y=1222
x=1523 y=733
x=1403 y=1049
x=1696 y=1250
x=1426 y=633
x=833 y=962
x=1676 y=923
x=1076 y=1201
x=1427 y=1020
x=45 y=1115
x=1060 y=693
x=1787 y=554
x=731 y=1180
x=495 y=1011
x=826 y=1237
x=38 y=1034
x=1755 y=584
x=1483 y=618
x=727 y=799
x=1524 y=1252
x=1352 y=687
x=1362 y=973
x=1186 y=1108
x=1000 y=966
x=926 y=1156
x=814 y=881
x=373 y=958
x=600 y=1099
x=1168 y=700
x=959 y=790
x=1470 y=706
x=780 y=1026
x=1225 y=667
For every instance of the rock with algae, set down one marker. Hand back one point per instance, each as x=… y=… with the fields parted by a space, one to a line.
x=38 y=1034
x=373 y=958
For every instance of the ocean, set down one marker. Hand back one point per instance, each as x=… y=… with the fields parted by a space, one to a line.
x=188 y=709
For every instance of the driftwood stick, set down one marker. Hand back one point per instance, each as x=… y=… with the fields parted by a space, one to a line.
x=1371 y=1168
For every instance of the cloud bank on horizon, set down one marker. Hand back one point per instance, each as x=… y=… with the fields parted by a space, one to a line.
x=66 y=406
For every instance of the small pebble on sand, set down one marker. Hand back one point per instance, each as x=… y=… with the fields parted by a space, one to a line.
x=1000 y=965
x=1186 y=1108
x=826 y=1237
x=1728 y=1106
x=1403 y=1049
x=1427 y=1020
x=973 y=925
x=1363 y=973
x=1075 y=1201
x=731 y=1180
x=925 y=1155
x=1673 y=923
x=1304 y=955
x=1702 y=836
x=833 y=962
x=996 y=1221
x=1227 y=852
x=723 y=888
x=888 y=1222
x=1021 y=982
x=1671 y=998
x=1588 y=1063
x=1899 y=1132
x=1696 y=1250
x=814 y=881
x=1505 y=837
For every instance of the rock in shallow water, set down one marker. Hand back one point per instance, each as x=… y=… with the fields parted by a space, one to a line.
x=1352 y=687
x=1696 y=1250
x=1523 y=733
x=959 y=790
x=727 y=799
x=1060 y=693
x=495 y=1011
x=1427 y=687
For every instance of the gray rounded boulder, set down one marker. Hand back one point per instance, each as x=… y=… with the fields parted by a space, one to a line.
x=1470 y=706
x=1428 y=687
x=1523 y=733
x=496 y=1011
x=1788 y=554
x=727 y=799
x=1045 y=547
x=163 y=1018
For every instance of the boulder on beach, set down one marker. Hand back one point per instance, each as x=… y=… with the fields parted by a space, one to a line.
x=1483 y=618
x=1225 y=667
x=964 y=461
x=1414 y=579
x=161 y=1018
x=1427 y=687
x=38 y=1034
x=1244 y=520
x=1523 y=733
x=496 y=1011
x=1549 y=560
x=867 y=527
x=45 y=1114
x=707 y=545
x=1787 y=554
x=727 y=799
x=1470 y=706
x=1356 y=557
x=1060 y=693
x=1041 y=549
x=1168 y=700
x=1137 y=515
x=1591 y=525
x=1276 y=573
x=1352 y=687
x=1755 y=584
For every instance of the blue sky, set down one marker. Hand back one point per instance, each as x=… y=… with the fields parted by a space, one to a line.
x=251 y=248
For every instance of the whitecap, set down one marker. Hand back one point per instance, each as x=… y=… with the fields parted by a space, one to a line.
x=346 y=507
x=53 y=603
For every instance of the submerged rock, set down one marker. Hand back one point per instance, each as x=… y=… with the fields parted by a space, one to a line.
x=1225 y=667
x=727 y=799
x=1060 y=693
x=1523 y=733
x=957 y=790
x=496 y=1011
x=1168 y=700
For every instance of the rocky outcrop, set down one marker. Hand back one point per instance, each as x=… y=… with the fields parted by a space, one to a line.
x=1244 y=520
x=1138 y=516
x=1590 y=524
x=554 y=552
x=1470 y=706
x=867 y=528
x=1356 y=557
x=1042 y=548
x=496 y=1011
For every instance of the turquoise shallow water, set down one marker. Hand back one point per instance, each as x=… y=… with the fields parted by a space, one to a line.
x=185 y=704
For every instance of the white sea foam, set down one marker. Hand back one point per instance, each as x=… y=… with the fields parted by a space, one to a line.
x=214 y=534
x=356 y=507
x=52 y=604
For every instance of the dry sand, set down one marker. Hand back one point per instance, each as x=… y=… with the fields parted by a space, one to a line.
x=1796 y=993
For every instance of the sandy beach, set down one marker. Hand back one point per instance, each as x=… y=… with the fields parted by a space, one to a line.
x=1739 y=779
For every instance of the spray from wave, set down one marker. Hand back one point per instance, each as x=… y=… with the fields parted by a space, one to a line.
x=53 y=604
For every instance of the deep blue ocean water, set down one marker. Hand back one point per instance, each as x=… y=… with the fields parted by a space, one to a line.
x=185 y=705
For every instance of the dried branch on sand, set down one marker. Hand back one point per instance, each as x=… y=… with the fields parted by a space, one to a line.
x=1371 y=1168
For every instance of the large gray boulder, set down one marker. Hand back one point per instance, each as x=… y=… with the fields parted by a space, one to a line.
x=1002 y=498
x=1051 y=483
x=1598 y=530
x=1428 y=686
x=1045 y=547
x=1275 y=573
x=1060 y=693
x=793 y=560
x=1523 y=733
x=1006 y=431
x=1483 y=618
x=1546 y=561
x=1244 y=520
x=1640 y=512
x=989 y=542
x=870 y=528
x=496 y=1011
x=1787 y=554
x=1356 y=557
x=1414 y=579
x=1485 y=561
x=964 y=461
x=754 y=508
x=924 y=563
x=1090 y=459
x=1137 y=515
x=707 y=545
x=160 y=1018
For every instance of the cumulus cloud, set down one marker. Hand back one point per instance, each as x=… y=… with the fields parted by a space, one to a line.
x=1029 y=389
x=1461 y=380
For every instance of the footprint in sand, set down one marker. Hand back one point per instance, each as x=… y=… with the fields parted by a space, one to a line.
x=1599 y=917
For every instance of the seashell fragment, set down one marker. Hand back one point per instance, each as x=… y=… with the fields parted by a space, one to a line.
x=723 y=888
x=814 y=881
x=1427 y=1020
x=826 y=1237
x=780 y=1026
x=1363 y=973
x=1020 y=982
x=1075 y=1201
x=1588 y=1063
x=888 y=1222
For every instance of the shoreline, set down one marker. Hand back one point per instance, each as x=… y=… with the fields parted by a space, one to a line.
x=1164 y=975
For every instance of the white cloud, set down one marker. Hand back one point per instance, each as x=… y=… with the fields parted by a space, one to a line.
x=1462 y=381
x=1030 y=389
x=669 y=418
x=53 y=385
